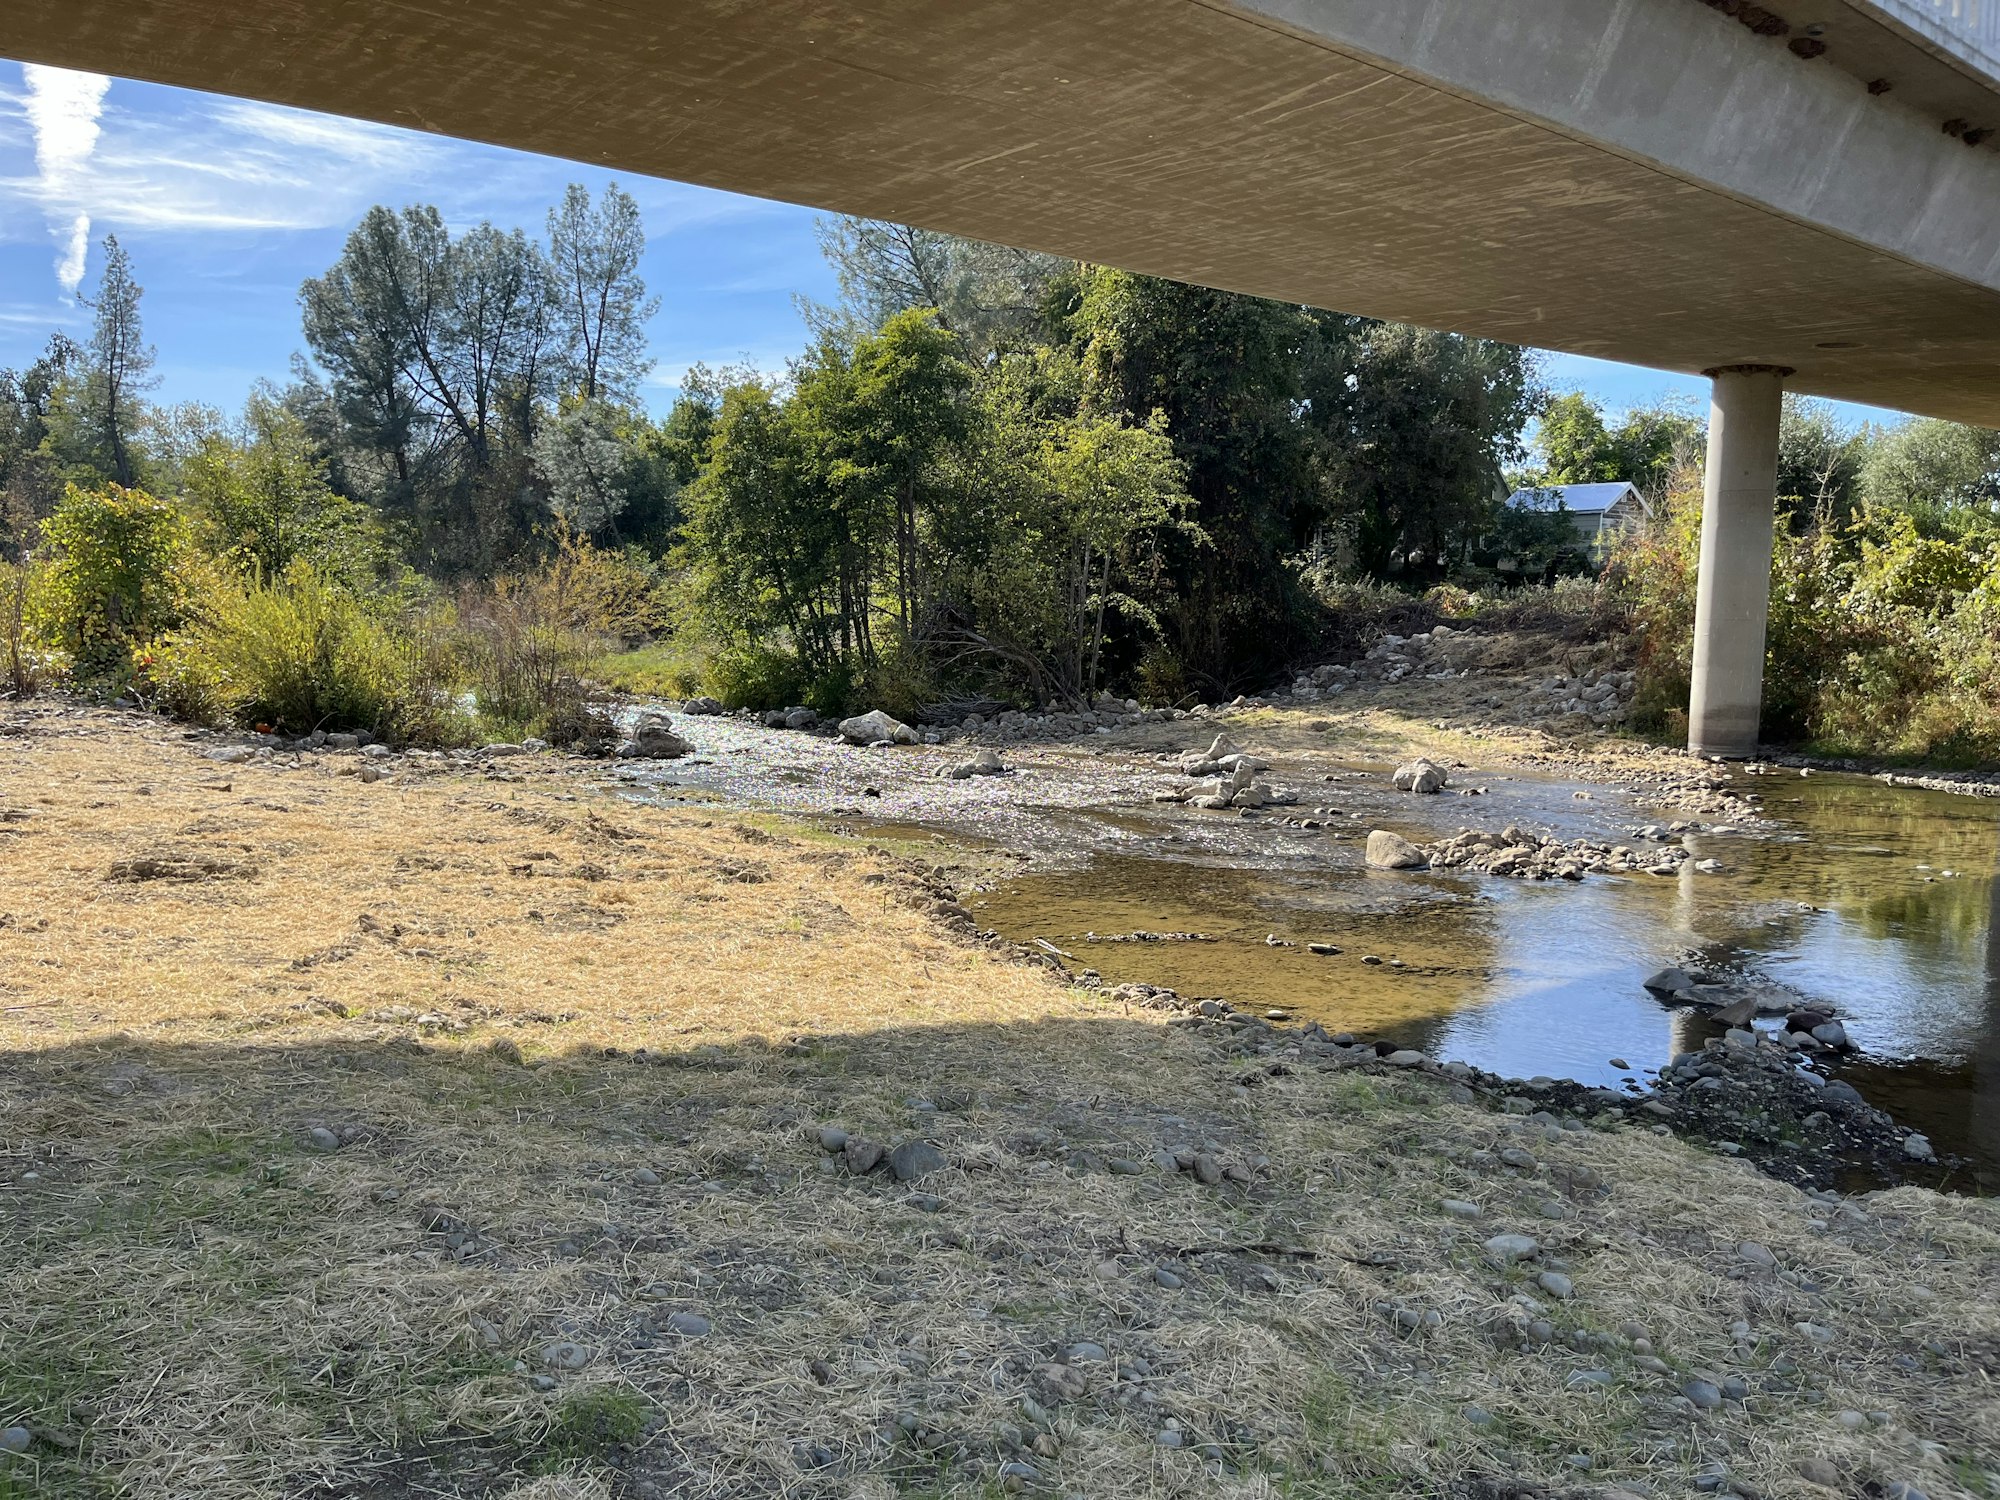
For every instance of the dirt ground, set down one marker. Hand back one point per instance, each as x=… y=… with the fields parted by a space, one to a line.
x=467 y=1133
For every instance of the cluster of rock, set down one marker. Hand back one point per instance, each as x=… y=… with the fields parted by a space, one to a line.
x=906 y=1162
x=798 y=717
x=1105 y=715
x=1602 y=696
x=1747 y=1094
x=1809 y=1026
x=1519 y=855
x=982 y=763
x=1225 y=776
x=1393 y=658
x=651 y=737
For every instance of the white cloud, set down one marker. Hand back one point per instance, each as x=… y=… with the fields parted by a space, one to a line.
x=64 y=110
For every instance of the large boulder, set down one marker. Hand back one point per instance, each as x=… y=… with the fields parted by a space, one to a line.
x=874 y=727
x=652 y=737
x=1421 y=776
x=983 y=763
x=1391 y=851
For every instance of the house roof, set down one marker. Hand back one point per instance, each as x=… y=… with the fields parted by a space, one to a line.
x=1579 y=499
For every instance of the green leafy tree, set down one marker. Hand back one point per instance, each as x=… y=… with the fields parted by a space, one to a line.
x=30 y=467
x=1574 y=445
x=1819 y=462
x=1228 y=374
x=600 y=299
x=989 y=296
x=1944 y=474
x=440 y=350
x=1430 y=421
x=262 y=497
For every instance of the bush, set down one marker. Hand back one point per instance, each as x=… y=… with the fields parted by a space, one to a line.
x=118 y=570
x=24 y=663
x=299 y=654
x=530 y=639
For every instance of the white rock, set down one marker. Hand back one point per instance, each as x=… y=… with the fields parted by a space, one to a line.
x=1391 y=851
x=875 y=726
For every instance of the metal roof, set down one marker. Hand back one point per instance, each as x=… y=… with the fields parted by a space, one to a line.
x=1579 y=499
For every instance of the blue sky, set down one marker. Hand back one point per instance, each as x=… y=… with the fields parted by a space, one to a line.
x=226 y=206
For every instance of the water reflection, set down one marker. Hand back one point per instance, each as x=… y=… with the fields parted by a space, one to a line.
x=1882 y=901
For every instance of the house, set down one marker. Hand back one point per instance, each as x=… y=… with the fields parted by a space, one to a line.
x=1600 y=512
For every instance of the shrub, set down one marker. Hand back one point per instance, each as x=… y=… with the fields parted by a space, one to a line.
x=117 y=571
x=23 y=661
x=531 y=638
x=299 y=653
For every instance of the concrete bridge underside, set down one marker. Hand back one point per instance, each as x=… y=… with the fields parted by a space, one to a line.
x=1655 y=181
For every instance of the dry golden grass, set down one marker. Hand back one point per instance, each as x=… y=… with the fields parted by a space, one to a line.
x=195 y=1300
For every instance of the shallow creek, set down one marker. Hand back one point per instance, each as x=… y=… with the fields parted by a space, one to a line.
x=1879 y=900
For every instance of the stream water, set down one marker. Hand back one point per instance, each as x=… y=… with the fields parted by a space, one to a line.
x=1879 y=900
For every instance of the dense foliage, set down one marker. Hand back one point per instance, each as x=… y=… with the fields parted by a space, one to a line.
x=992 y=474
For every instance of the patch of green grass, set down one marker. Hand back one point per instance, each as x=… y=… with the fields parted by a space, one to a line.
x=1352 y=1448
x=588 y=1422
x=661 y=670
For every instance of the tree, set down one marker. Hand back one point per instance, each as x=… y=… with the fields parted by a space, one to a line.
x=30 y=468
x=120 y=363
x=1430 y=421
x=114 y=574
x=261 y=495
x=1819 y=462
x=988 y=296
x=1573 y=443
x=1229 y=374
x=1944 y=474
x=440 y=350
x=601 y=302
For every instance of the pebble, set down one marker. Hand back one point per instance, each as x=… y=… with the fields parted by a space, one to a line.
x=1902 y=1489
x=1704 y=1394
x=863 y=1155
x=1588 y=1379
x=565 y=1356
x=1918 y=1148
x=1169 y=1437
x=1507 y=1249
x=692 y=1325
x=1406 y=1059
x=1516 y=1156
x=1556 y=1285
x=1458 y=1208
x=916 y=1158
x=15 y=1439
x=1167 y=1280
x=324 y=1139
x=1853 y=1421
x=1478 y=1416
x=832 y=1140
x=1750 y=1250
x=1084 y=1353
x=645 y=1177
x=1207 y=1170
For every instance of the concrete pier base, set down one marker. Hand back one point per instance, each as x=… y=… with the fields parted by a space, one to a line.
x=1733 y=596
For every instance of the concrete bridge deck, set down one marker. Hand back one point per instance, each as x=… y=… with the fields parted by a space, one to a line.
x=1646 y=180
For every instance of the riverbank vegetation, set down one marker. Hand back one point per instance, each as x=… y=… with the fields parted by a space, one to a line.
x=989 y=475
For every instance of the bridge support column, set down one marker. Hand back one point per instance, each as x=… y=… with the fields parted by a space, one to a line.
x=1733 y=595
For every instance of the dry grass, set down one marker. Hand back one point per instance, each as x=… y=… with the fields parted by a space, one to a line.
x=196 y=1300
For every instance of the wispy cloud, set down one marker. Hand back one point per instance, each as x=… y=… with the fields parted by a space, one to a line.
x=63 y=110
